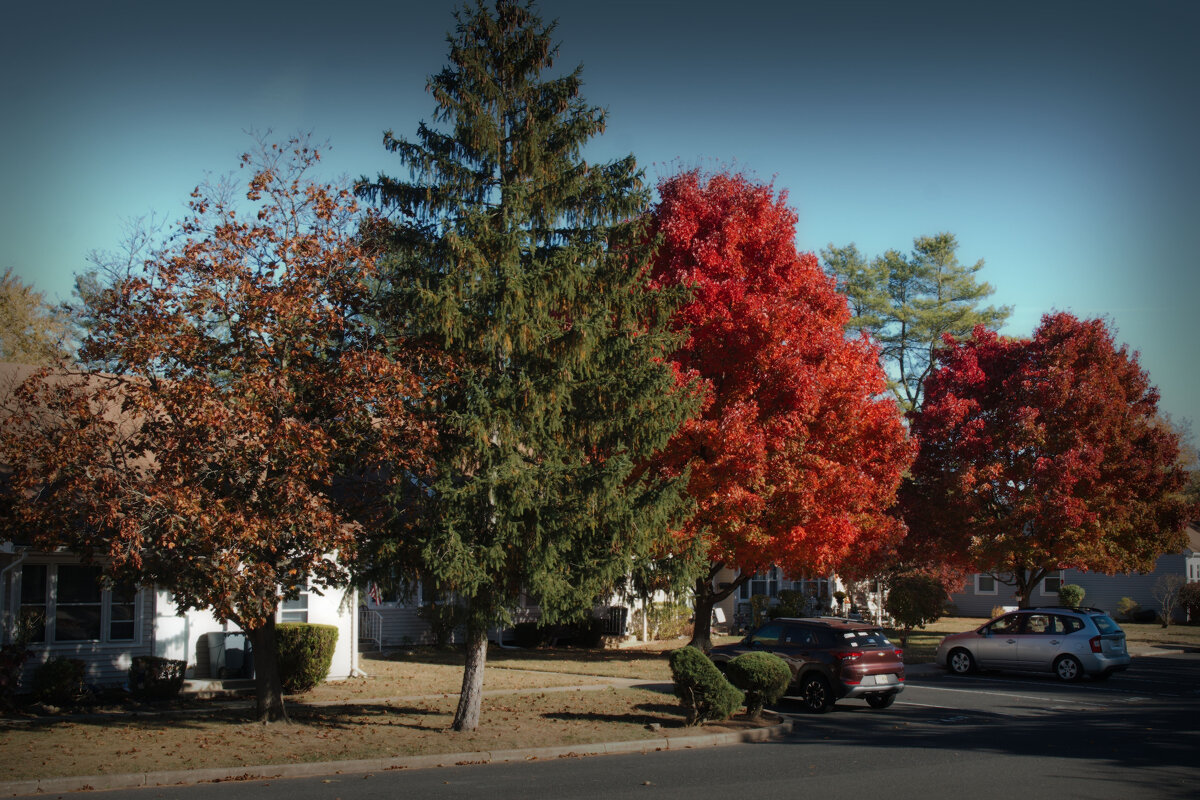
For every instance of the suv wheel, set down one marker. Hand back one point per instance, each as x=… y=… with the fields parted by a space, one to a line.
x=880 y=700
x=815 y=694
x=961 y=662
x=1068 y=668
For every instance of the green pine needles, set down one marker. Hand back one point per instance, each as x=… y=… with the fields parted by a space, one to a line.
x=523 y=267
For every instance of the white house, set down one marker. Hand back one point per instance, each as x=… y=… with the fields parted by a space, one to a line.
x=106 y=628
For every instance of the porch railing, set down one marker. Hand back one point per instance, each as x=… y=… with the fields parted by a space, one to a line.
x=370 y=629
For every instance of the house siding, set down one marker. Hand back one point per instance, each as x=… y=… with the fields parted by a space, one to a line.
x=1100 y=591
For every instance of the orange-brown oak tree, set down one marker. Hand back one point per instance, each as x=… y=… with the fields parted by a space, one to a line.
x=250 y=417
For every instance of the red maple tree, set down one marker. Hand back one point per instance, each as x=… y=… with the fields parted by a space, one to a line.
x=1042 y=454
x=797 y=454
x=250 y=420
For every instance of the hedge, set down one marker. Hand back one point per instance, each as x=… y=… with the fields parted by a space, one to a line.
x=305 y=654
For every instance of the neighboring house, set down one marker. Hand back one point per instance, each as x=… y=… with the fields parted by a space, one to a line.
x=983 y=592
x=736 y=610
x=106 y=628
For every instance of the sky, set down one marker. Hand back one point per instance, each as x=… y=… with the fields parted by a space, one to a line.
x=1056 y=140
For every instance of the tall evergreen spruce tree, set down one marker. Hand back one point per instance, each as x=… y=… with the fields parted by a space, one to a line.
x=526 y=267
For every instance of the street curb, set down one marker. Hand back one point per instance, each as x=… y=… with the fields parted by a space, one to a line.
x=313 y=769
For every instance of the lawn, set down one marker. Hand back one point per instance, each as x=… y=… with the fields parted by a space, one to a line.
x=403 y=707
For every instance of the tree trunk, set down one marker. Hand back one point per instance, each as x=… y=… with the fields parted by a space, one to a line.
x=268 y=690
x=706 y=598
x=466 y=718
x=702 y=622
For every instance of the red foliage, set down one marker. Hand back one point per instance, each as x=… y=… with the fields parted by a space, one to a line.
x=1044 y=453
x=797 y=454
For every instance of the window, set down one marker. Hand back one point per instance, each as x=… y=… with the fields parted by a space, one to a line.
x=68 y=603
x=766 y=583
x=1009 y=623
x=767 y=635
x=985 y=584
x=1052 y=583
x=296 y=609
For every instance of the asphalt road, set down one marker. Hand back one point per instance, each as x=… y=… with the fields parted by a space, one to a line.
x=987 y=736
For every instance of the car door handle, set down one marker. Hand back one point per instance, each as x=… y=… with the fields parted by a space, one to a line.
x=1054 y=641
x=1011 y=641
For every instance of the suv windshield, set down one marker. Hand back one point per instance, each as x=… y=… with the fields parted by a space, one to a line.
x=1105 y=623
x=870 y=638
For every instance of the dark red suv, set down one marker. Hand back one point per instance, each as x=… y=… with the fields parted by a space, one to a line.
x=830 y=658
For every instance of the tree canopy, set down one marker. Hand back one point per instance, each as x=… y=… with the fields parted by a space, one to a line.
x=908 y=303
x=1044 y=453
x=251 y=416
x=795 y=458
x=32 y=331
x=525 y=265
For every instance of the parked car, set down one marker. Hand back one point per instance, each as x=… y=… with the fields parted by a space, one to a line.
x=830 y=658
x=1070 y=642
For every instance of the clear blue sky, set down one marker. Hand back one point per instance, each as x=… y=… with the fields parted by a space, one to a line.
x=1057 y=140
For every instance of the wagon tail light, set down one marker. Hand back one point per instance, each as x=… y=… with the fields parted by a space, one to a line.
x=1095 y=643
x=847 y=655
x=899 y=654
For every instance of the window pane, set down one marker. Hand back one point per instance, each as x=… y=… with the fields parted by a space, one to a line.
x=78 y=584
x=74 y=623
x=33 y=585
x=120 y=624
x=33 y=601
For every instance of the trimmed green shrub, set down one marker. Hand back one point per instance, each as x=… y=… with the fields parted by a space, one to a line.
x=705 y=692
x=1071 y=595
x=155 y=678
x=764 y=677
x=59 y=681
x=1127 y=607
x=305 y=653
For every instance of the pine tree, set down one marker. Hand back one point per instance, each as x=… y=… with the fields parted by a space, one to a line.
x=527 y=268
x=906 y=303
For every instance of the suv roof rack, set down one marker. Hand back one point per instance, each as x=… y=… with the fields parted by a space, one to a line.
x=1063 y=608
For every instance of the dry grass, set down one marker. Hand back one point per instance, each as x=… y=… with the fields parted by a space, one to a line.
x=223 y=738
x=404 y=707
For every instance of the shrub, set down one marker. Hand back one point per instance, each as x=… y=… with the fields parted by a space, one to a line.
x=758 y=605
x=527 y=635
x=305 y=653
x=1127 y=607
x=14 y=655
x=1071 y=595
x=588 y=632
x=663 y=620
x=764 y=677
x=1189 y=601
x=155 y=678
x=59 y=681
x=705 y=692
x=913 y=600
x=791 y=604
x=443 y=619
